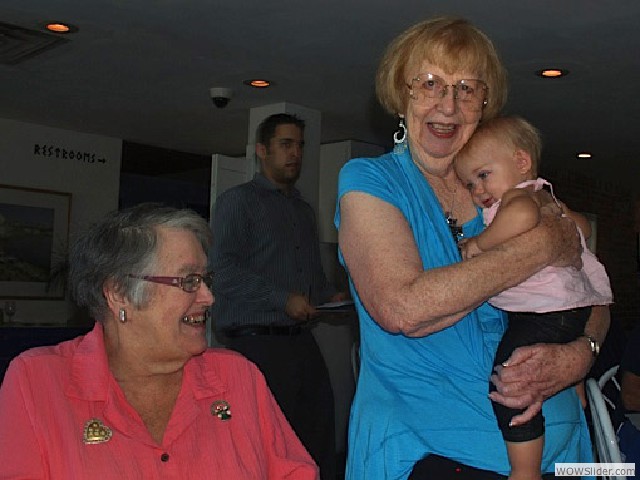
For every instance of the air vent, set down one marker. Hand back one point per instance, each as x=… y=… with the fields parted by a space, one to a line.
x=17 y=44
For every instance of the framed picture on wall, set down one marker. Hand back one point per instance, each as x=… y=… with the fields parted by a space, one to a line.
x=34 y=237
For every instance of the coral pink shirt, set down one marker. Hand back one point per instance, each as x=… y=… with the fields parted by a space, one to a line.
x=50 y=394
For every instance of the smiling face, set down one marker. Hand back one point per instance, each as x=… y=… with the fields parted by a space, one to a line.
x=438 y=128
x=490 y=168
x=173 y=324
x=281 y=160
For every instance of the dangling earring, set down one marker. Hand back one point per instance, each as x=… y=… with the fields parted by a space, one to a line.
x=400 y=137
x=122 y=315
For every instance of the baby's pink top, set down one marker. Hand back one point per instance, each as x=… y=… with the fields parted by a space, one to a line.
x=552 y=288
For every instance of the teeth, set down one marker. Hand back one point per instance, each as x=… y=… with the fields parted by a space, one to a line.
x=443 y=128
x=195 y=319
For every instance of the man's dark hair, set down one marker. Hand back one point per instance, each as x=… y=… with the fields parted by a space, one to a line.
x=267 y=129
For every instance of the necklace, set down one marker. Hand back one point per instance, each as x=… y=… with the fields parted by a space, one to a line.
x=456 y=230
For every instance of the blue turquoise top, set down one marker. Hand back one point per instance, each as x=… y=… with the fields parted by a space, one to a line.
x=417 y=396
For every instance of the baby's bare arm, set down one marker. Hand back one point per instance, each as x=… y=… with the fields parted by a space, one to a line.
x=519 y=212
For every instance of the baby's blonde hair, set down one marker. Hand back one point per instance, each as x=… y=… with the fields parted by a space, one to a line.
x=512 y=131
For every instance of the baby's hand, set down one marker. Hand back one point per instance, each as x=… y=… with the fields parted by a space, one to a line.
x=469 y=248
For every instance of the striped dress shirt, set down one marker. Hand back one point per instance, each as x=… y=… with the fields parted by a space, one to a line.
x=265 y=247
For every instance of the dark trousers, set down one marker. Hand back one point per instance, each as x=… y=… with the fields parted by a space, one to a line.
x=298 y=377
x=528 y=329
x=435 y=467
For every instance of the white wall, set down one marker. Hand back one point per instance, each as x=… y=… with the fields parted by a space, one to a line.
x=332 y=157
x=87 y=166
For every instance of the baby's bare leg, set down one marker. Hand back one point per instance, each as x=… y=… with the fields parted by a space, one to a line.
x=525 y=459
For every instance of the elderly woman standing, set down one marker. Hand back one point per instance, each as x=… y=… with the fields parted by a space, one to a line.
x=141 y=397
x=427 y=336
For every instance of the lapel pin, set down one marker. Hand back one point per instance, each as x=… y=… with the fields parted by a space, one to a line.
x=221 y=409
x=96 y=432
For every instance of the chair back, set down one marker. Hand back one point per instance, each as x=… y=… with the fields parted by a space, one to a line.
x=609 y=375
x=605 y=441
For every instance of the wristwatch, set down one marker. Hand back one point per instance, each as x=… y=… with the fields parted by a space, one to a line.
x=593 y=343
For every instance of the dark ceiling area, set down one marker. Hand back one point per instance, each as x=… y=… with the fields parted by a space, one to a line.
x=141 y=71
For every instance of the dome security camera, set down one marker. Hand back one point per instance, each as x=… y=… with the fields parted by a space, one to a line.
x=220 y=96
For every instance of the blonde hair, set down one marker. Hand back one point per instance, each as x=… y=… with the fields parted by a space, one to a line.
x=450 y=43
x=512 y=131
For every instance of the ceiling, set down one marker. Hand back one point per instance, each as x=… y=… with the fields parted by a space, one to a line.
x=141 y=70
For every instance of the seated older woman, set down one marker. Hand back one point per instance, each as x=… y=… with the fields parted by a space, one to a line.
x=141 y=396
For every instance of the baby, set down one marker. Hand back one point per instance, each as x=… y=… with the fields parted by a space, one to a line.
x=498 y=165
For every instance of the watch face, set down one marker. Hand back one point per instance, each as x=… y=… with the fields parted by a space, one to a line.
x=593 y=343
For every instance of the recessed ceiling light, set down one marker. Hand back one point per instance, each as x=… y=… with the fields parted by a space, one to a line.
x=584 y=155
x=60 y=27
x=258 y=83
x=552 y=72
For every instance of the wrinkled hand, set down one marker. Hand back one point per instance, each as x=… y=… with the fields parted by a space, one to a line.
x=566 y=238
x=469 y=248
x=546 y=201
x=299 y=308
x=535 y=373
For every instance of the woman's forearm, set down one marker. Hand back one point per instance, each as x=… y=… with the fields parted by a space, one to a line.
x=598 y=324
x=455 y=290
x=385 y=266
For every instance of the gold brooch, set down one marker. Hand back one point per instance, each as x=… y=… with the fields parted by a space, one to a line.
x=96 y=432
x=221 y=409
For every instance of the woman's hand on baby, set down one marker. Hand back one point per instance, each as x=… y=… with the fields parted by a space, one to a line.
x=565 y=237
x=546 y=201
x=537 y=372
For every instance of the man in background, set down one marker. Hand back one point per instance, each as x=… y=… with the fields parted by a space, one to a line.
x=268 y=277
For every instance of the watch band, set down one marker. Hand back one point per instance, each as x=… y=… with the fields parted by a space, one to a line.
x=593 y=343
